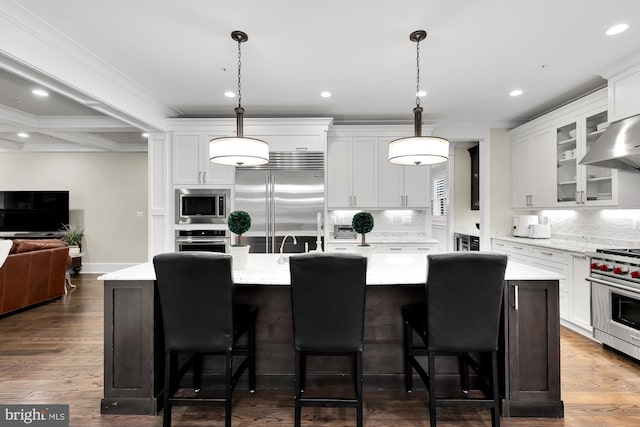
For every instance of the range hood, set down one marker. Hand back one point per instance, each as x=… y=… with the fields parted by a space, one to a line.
x=618 y=147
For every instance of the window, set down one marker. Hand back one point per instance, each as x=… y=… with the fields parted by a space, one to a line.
x=439 y=194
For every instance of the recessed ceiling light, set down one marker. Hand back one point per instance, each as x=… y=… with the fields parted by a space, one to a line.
x=616 y=29
x=40 y=92
x=145 y=135
x=229 y=94
x=516 y=92
x=421 y=93
x=23 y=135
x=326 y=94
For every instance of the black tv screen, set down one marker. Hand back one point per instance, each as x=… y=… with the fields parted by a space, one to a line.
x=33 y=210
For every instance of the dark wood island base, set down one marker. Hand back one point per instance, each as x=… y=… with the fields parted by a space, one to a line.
x=530 y=342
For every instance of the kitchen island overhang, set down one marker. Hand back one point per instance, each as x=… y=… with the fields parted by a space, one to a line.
x=134 y=349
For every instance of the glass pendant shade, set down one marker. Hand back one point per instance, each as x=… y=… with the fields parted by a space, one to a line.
x=418 y=150
x=234 y=151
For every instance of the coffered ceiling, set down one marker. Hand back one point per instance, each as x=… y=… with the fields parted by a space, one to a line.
x=118 y=68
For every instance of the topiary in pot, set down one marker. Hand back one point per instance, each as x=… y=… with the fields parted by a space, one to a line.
x=362 y=223
x=239 y=223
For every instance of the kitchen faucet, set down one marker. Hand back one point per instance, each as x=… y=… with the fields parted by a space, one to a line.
x=282 y=259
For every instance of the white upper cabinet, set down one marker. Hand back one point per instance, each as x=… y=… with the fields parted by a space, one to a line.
x=191 y=165
x=546 y=154
x=580 y=185
x=352 y=169
x=624 y=94
x=533 y=170
x=400 y=186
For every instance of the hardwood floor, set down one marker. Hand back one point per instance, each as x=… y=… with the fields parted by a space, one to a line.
x=53 y=355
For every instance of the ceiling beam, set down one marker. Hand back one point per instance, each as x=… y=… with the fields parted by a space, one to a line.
x=29 y=45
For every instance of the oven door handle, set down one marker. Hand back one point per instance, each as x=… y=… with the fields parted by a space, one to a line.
x=188 y=240
x=613 y=285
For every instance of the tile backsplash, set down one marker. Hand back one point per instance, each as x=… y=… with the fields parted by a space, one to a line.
x=602 y=225
x=386 y=221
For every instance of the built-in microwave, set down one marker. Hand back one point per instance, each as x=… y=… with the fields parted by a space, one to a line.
x=201 y=206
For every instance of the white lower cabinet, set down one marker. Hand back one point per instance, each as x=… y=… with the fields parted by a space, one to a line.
x=407 y=248
x=574 y=292
x=388 y=248
x=348 y=247
x=580 y=310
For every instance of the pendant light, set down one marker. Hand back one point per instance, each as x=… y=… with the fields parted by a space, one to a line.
x=238 y=150
x=418 y=149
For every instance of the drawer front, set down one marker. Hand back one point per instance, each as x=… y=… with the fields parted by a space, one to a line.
x=511 y=247
x=407 y=248
x=550 y=254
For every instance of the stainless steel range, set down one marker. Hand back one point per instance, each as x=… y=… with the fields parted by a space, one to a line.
x=615 y=298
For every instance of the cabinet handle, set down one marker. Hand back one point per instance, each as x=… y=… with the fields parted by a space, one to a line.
x=339 y=249
x=406 y=200
x=515 y=297
x=355 y=203
x=499 y=244
x=547 y=253
x=518 y=248
x=395 y=249
x=204 y=177
x=200 y=177
x=350 y=200
x=424 y=249
x=301 y=148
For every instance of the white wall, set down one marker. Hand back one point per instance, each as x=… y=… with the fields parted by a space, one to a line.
x=106 y=190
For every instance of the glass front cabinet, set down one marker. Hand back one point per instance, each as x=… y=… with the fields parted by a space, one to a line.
x=582 y=185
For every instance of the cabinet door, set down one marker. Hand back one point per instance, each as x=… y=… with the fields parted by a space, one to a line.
x=580 y=310
x=390 y=178
x=522 y=172
x=543 y=159
x=533 y=362
x=365 y=172
x=214 y=173
x=416 y=184
x=599 y=185
x=339 y=173
x=567 y=171
x=186 y=158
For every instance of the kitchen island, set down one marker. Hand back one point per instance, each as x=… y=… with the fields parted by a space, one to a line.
x=530 y=350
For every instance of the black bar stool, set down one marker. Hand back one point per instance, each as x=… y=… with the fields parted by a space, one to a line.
x=199 y=317
x=327 y=298
x=461 y=316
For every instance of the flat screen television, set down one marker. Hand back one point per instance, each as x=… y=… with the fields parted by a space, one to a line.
x=33 y=210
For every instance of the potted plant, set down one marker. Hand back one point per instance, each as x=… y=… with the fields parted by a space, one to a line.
x=239 y=222
x=362 y=223
x=72 y=236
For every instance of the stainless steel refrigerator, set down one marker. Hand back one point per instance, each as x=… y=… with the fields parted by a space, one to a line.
x=284 y=197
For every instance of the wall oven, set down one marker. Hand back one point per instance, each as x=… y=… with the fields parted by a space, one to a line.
x=201 y=206
x=202 y=240
x=615 y=299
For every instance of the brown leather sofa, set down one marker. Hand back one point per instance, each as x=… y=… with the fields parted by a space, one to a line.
x=33 y=272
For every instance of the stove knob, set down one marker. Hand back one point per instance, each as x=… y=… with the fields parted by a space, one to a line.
x=635 y=274
x=620 y=270
x=595 y=266
x=605 y=267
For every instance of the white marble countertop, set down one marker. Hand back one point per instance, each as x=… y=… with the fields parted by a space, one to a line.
x=565 y=245
x=383 y=269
